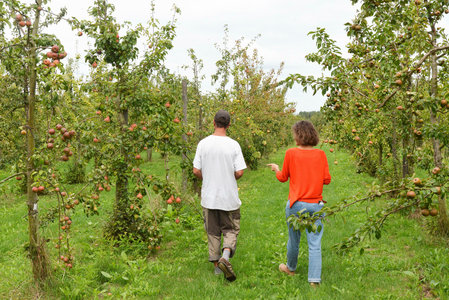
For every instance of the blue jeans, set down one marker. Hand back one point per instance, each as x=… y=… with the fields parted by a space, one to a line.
x=313 y=240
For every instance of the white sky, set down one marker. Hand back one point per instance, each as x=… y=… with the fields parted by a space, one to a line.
x=282 y=24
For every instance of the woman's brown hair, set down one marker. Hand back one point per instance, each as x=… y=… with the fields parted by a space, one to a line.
x=305 y=134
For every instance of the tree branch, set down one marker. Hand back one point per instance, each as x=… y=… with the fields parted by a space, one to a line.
x=356 y=90
x=12 y=176
x=10 y=46
x=421 y=61
x=410 y=72
x=388 y=98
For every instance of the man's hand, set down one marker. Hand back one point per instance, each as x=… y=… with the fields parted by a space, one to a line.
x=238 y=174
x=274 y=167
x=197 y=173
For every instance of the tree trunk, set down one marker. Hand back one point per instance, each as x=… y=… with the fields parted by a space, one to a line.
x=118 y=225
x=121 y=187
x=380 y=155
x=437 y=156
x=149 y=153
x=184 y=136
x=200 y=119
x=405 y=160
x=37 y=250
x=394 y=143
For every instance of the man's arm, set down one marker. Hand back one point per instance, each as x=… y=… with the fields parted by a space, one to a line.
x=238 y=174
x=197 y=173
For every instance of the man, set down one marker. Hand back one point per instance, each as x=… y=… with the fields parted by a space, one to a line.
x=219 y=163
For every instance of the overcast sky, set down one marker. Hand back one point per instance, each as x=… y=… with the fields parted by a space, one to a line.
x=282 y=24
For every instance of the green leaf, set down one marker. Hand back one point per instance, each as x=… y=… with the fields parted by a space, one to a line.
x=105 y=274
x=409 y=273
x=378 y=234
x=124 y=256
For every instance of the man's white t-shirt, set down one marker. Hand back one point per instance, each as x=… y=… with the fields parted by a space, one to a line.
x=218 y=158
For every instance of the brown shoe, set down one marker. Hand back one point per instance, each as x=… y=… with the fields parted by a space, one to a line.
x=226 y=267
x=284 y=268
x=314 y=284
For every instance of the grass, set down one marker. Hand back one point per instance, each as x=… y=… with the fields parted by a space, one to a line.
x=404 y=264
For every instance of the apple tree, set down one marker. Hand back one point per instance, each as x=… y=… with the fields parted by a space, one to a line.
x=30 y=61
x=131 y=113
x=386 y=104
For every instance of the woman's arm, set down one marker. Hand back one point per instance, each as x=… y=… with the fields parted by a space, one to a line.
x=283 y=175
x=327 y=175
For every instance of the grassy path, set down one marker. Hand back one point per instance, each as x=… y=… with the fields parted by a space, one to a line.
x=398 y=266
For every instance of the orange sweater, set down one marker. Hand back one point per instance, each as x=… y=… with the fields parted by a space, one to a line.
x=308 y=171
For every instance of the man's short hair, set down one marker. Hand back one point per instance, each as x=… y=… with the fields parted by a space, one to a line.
x=222 y=119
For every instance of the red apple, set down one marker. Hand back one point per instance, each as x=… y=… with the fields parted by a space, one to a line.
x=417 y=181
x=436 y=170
x=411 y=194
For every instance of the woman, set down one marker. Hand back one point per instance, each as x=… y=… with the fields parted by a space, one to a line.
x=308 y=171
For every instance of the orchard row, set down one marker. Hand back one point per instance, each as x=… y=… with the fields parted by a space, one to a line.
x=129 y=103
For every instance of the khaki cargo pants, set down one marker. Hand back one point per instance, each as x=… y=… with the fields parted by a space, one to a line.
x=218 y=223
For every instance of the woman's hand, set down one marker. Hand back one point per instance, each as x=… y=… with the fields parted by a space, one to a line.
x=274 y=167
